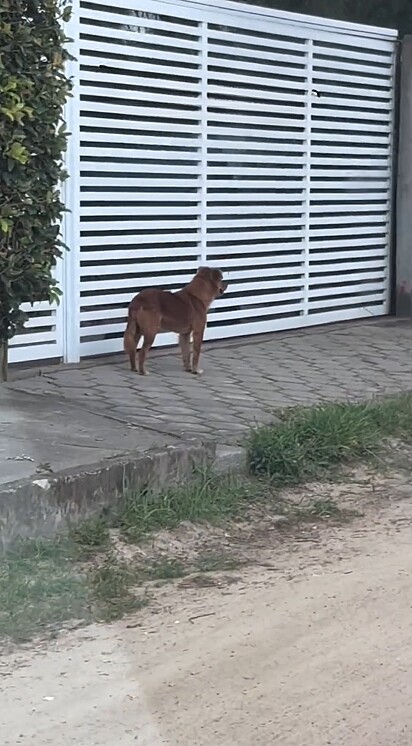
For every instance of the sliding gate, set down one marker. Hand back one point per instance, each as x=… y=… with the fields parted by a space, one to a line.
x=224 y=134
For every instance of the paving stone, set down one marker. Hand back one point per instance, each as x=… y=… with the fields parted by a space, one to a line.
x=244 y=383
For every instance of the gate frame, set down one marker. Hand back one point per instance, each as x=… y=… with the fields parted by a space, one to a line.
x=70 y=303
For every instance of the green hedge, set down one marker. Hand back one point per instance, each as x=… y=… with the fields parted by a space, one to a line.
x=33 y=138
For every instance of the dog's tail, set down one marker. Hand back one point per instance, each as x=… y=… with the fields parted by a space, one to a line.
x=131 y=339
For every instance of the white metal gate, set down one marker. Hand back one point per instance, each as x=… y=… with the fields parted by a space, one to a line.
x=256 y=141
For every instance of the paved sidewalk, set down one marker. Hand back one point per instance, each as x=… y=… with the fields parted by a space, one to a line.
x=78 y=415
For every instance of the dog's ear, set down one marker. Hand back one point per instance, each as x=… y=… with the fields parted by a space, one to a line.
x=216 y=275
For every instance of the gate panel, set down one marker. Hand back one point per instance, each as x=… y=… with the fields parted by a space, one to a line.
x=247 y=139
x=350 y=182
x=140 y=163
x=42 y=337
x=257 y=162
x=254 y=140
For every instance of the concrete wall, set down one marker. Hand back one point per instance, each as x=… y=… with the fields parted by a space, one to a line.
x=404 y=186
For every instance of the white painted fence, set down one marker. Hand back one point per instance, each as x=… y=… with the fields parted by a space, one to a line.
x=223 y=134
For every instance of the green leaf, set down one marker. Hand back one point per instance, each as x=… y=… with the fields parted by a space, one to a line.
x=33 y=137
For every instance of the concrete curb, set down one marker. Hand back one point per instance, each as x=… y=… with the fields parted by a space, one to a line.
x=41 y=507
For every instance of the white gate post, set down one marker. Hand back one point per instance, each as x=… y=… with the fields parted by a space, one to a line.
x=308 y=142
x=71 y=198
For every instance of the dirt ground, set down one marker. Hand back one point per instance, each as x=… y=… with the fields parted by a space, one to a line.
x=309 y=645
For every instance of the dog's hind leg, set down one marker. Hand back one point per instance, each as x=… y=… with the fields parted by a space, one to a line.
x=197 y=346
x=148 y=340
x=131 y=340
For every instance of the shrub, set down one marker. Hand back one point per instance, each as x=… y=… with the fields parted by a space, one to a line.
x=33 y=90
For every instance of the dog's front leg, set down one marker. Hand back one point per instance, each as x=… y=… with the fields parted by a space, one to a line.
x=197 y=346
x=184 y=341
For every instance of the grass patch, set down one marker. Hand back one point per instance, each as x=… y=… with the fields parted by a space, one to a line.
x=40 y=590
x=112 y=591
x=310 y=441
x=77 y=579
x=217 y=562
x=167 y=569
x=91 y=536
x=45 y=584
x=208 y=499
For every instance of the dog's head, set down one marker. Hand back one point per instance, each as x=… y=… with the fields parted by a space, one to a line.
x=215 y=278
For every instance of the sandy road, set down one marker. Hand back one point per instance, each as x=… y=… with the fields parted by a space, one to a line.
x=316 y=650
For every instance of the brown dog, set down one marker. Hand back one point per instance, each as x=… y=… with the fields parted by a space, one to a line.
x=184 y=312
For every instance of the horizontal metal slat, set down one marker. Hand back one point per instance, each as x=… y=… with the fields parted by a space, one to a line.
x=226 y=77
x=253 y=39
x=360 y=93
x=267 y=210
x=109 y=91
x=293 y=249
x=127 y=19
x=381 y=70
x=245 y=313
x=36 y=338
x=361 y=300
x=353 y=290
x=348 y=162
x=132 y=281
x=262 y=183
x=333 y=233
x=241 y=107
x=253 y=272
x=370 y=218
x=349 y=267
x=131 y=181
x=350 y=277
x=347 y=173
x=154 y=239
x=130 y=40
x=352 y=150
x=136 y=170
x=319 y=125
x=342 y=113
x=234 y=158
x=217 y=49
x=263 y=121
x=152 y=198
x=130 y=225
x=230 y=225
x=273 y=260
x=241 y=287
x=358 y=53
x=136 y=270
x=368 y=207
x=150 y=113
x=110 y=212
x=106 y=139
x=251 y=199
x=378 y=254
x=116 y=255
x=251 y=134
x=341 y=77
x=111 y=152
x=218 y=64
x=226 y=90
x=103 y=62
x=247 y=171
x=381 y=107
x=254 y=235
x=242 y=146
x=107 y=122
x=351 y=187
